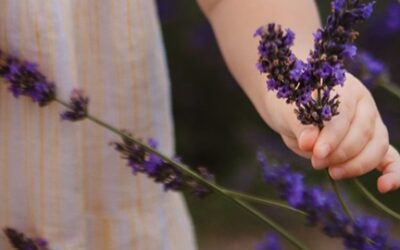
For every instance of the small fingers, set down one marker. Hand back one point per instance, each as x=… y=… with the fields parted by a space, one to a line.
x=390 y=167
x=361 y=131
x=368 y=159
x=332 y=134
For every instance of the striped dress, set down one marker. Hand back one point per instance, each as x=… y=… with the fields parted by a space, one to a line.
x=61 y=180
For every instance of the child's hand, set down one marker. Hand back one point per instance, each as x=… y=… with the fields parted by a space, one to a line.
x=352 y=143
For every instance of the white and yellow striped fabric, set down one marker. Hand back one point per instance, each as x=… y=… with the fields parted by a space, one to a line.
x=62 y=180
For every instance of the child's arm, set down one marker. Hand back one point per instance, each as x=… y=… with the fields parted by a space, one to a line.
x=353 y=143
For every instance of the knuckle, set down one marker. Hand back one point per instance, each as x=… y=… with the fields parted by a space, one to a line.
x=338 y=156
x=341 y=155
x=367 y=132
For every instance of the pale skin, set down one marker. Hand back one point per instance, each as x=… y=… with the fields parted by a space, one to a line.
x=351 y=144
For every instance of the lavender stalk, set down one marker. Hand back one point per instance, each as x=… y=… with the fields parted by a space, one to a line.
x=196 y=176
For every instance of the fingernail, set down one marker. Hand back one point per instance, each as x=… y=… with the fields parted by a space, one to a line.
x=323 y=151
x=337 y=173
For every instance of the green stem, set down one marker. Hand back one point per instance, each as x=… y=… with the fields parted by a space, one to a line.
x=339 y=196
x=375 y=201
x=333 y=182
x=390 y=86
x=196 y=176
x=264 y=201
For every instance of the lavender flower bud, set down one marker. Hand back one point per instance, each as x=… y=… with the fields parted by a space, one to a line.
x=78 y=106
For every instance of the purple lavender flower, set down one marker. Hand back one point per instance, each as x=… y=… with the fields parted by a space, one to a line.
x=24 y=79
x=270 y=242
x=367 y=233
x=78 y=106
x=142 y=161
x=295 y=80
x=20 y=242
x=292 y=186
x=393 y=17
x=367 y=68
x=324 y=209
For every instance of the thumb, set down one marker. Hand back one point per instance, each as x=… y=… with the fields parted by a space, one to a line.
x=306 y=136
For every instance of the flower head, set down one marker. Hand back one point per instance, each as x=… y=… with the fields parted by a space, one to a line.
x=143 y=161
x=24 y=79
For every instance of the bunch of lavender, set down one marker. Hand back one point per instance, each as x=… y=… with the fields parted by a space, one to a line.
x=141 y=160
x=310 y=84
x=323 y=209
x=20 y=242
x=24 y=79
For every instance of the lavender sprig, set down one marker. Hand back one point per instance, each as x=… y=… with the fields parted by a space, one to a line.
x=20 y=242
x=323 y=209
x=295 y=80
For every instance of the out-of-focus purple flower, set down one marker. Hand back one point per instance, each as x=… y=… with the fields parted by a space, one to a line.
x=392 y=16
x=78 y=106
x=270 y=242
x=20 y=242
x=324 y=209
x=367 y=68
x=368 y=233
x=142 y=161
x=294 y=80
x=386 y=27
x=24 y=79
x=292 y=185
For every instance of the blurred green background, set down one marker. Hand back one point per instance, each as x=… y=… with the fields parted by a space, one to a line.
x=216 y=126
